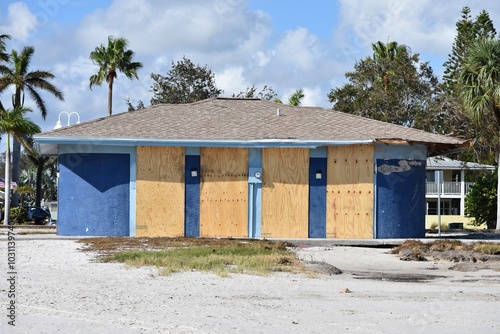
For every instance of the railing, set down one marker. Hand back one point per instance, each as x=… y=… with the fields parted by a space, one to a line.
x=447 y=188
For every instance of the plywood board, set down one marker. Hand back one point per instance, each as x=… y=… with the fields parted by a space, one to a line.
x=160 y=191
x=224 y=192
x=285 y=192
x=350 y=192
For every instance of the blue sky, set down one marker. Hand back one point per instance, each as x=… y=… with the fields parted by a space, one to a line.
x=283 y=44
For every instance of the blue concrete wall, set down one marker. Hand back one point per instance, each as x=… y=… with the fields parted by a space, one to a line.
x=400 y=198
x=192 y=196
x=317 y=198
x=94 y=195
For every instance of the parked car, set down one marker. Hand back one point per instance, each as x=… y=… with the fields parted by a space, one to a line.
x=37 y=214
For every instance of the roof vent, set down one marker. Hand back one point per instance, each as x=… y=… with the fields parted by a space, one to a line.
x=278 y=112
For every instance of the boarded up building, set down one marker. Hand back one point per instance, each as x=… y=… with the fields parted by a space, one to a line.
x=242 y=168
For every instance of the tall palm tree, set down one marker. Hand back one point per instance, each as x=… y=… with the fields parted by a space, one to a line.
x=480 y=87
x=13 y=123
x=385 y=53
x=111 y=60
x=17 y=74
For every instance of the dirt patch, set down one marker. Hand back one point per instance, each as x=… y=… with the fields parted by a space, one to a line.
x=468 y=257
x=395 y=277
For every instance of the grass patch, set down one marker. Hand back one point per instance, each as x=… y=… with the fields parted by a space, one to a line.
x=487 y=248
x=209 y=255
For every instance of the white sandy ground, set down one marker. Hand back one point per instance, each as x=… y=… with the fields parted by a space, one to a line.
x=63 y=290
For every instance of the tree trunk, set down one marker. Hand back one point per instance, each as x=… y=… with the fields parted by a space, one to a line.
x=110 y=97
x=498 y=192
x=7 y=182
x=39 y=175
x=16 y=166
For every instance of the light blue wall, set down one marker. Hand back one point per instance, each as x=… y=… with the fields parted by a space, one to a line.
x=254 y=192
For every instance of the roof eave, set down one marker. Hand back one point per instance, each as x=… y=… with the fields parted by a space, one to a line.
x=47 y=145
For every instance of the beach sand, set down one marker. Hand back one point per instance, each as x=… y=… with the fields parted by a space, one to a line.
x=61 y=289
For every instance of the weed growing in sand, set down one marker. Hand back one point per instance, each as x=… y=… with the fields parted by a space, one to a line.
x=238 y=257
x=487 y=248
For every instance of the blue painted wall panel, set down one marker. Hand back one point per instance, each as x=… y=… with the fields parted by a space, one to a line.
x=400 y=198
x=254 y=192
x=192 y=200
x=94 y=195
x=317 y=198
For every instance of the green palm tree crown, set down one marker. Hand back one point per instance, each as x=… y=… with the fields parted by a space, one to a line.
x=113 y=59
x=16 y=74
x=296 y=98
x=385 y=54
x=480 y=79
x=4 y=56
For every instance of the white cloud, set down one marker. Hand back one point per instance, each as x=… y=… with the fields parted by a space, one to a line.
x=238 y=44
x=20 y=21
x=232 y=81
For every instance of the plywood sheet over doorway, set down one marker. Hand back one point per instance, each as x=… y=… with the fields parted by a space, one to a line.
x=160 y=191
x=350 y=192
x=224 y=192
x=285 y=192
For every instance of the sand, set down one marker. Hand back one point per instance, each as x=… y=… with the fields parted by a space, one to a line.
x=61 y=289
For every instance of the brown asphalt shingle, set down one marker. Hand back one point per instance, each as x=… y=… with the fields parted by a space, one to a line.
x=245 y=119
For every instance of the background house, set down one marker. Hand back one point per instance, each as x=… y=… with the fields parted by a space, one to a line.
x=452 y=191
x=242 y=168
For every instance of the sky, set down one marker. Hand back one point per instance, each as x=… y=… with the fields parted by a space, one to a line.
x=286 y=45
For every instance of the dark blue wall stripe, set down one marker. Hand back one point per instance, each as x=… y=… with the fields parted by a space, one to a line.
x=94 y=195
x=192 y=200
x=400 y=198
x=317 y=198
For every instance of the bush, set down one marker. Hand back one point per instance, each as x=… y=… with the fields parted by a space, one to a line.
x=481 y=201
x=434 y=226
x=18 y=215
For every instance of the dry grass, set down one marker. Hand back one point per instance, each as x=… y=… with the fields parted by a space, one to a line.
x=417 y=250
x=221 y=256
x=487 y=248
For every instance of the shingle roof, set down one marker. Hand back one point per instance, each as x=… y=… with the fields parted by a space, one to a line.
x=445 y=163
x=228 y=119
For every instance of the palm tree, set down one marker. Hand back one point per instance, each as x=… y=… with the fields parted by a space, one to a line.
x=16 y=74
x=13 y=123
x=389 y=52
x=24 y=190
x=295 y=99
x=110 y=60
x=480 y=87
x=39 y=162
x=4 y=56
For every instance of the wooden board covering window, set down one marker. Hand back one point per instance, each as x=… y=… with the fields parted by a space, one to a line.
x=350 y=192
x=224 y=192
x=160 y=191
x=285 y=192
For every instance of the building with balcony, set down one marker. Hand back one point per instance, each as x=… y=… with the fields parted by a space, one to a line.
x=453 y=189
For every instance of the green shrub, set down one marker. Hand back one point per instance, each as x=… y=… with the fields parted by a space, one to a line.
x=18 y=215
x=481 y=201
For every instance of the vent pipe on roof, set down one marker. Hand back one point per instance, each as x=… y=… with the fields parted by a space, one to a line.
x=278 y=112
